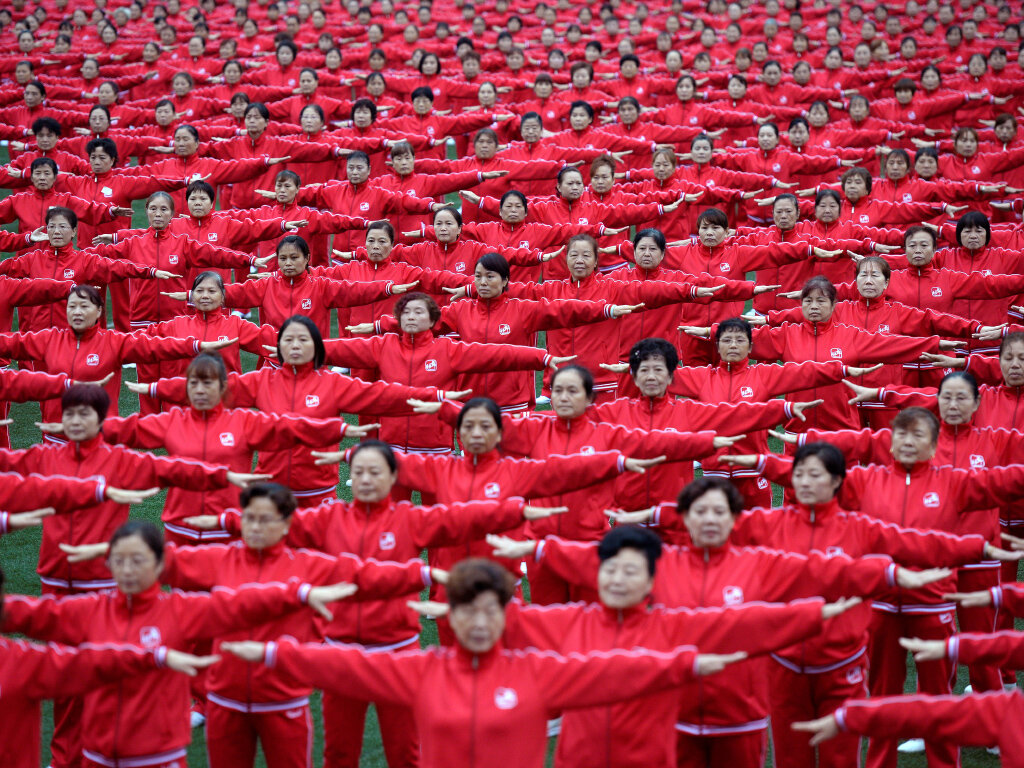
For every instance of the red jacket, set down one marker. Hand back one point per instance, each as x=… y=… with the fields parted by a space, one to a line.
x=488 y=710
x=118 y=188
x=220 y=435
x=388 y=530
x=28 y=292
x=461 y=256
x=175 y=253
x=218 y=325
x=663 y=482
x=424 y=360
x=279 y=297
x=19 y=493
x=65 y=263
x=29 y=208
x=87 y=524
x=145 y=716
x=91 y=356
x=1009 y=597
x=30 y=672
x=989 y=260
x=733 y=701
x=640 y=733
x=240 y=686
x=304 y=392
x=832 y=340
x=23 y=386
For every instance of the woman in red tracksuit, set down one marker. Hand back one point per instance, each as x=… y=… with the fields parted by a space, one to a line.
x=300 y=387
x=478 y=704
x=927 y=496
x=144 y=720
x=206 y=430
x=415 y=357
x=493 y=317
x=724 y=722
x=246 y=705
x=375 y=527
x=208 y=321
x=25 y=386
x=85 y=351
x=294 y=291
x=821 y=338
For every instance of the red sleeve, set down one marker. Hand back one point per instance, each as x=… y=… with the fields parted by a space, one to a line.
x=1005 y=649
x=201 y=615
x=342 y=293
x=23 y=494
x=1010 y=597
x=23 y=386
x=919 y=549
x=573 y=561
x=443 y=525
x=52 y=671
x=967 y=720
x=469 y=356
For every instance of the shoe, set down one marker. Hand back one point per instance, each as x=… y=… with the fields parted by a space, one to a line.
x=968 y=689
x=339 y=369
x=554 y=727
x=196 y=718
x=1009 y=687
x=542 y=400
x=992 y=750
x=911 y=747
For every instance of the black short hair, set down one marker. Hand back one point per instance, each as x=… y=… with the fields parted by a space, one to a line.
x=380 y=447
x=495 y=262
x=819 y=283
x=260 y=108
x=964 y=376
x=734 y=324
x=46 y=124
x=969 y=219
x=479 y=402
x=910 y=416
x=424 y=92
x=319 y=351
x=584 y=373
x=58 y=211
x=201 y=186
x=829 y=455
x=697 y=488
x=363 y=104
x=468 y=579
x=145 y=530
x=109 y=146
x=631 y=537
x=645 y=349
x=282 y=498
x=39 y=162
x=91 y=395
x=655 y=234
x=715 y=217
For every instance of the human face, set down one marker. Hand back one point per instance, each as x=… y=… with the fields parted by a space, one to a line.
x=479 y=433
x=904 y=96
x=531 y=131
x=204 y=394
x=357 y=171
x=662 y=166
x=871 y=283
x=854 y=188
x=581 y=260
x=711 y=235
x=208 y=296
x=709 y=520
x=624 y=580
x=133 y=565
x=446 y=228
x=82 y=313
x=579 y=119
x=1011 y=362
x=973 y=237
x=1006 y=131
x=487 y=96
x=478 y=625
x=966 y=144
x=285 y=56
x=913 y=444
x=733 y=347
x=569 y=399
x=736 y=89
x=647 y=254
x=415 y=317
x=896 y=167
x=291 y=261
x=827 y=210
x=812 y=483
x=310 y=121
x=798 y=135
x=422 y=105
x=920 y=250
x=378 y=245
x=489 y=284
x=513 y=211
x=372 y=478
x=263 y=525
x=785 y=214
x=767 y=139
x=817 y=307
x=60 y=232
x=685 y=90
x=957 y=402
x=602 y=180
x=42 y=178
x=199 y=204
x=485 y=147
x=255 y=123
x=46 y=140
x=652 y=377
x=307 y=83
x=81 y=422
x=571 y=186
x=98 y=121
x=700 y=151
x=159 y=211
x=185 y=143
x=628 y=113
x=930 y=80
x=772 y=75
x=581 y=78
x=100 y=161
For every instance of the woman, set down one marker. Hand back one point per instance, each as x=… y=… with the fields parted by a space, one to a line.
x=87 y=351
x=415 y=357
x=145 y=718
x=506 y=726
x=373 y=526
x=820 y=338
x=965 y=163
x=492 y=317
x=207 y=430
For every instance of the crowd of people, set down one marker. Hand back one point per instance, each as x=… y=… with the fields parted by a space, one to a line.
x=765 y=256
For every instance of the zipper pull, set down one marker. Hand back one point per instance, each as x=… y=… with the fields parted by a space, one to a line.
x=908 y=479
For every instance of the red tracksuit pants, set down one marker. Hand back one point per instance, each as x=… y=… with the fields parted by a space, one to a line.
x=344 y=721
x=285 y=735
x=888 y=663
x=982 y=620
x=735 y=750
x=799 y=696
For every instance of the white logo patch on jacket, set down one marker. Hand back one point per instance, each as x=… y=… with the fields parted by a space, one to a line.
x=149 y=637
x=430 y=365
x=492 y=490
x=386 y=540
x=506 y=698
x=836 y=352
x=312 y=401
x=227 y=439
x=92 y=359
x=732 y=595
x=504 y=329
x=931 y=499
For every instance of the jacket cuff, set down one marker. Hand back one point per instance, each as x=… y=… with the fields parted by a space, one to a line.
x=160 y=656
x=953 y=648
x=840 y=715
x=890 y=574
x=997 y=597
x=425 y=575
x=4 y=518
x=303 y=593
x=270 y=654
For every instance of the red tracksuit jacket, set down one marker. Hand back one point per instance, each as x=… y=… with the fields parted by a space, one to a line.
x=244 y=687
x=213 y=326
x=145 y=716
x=19 y=493
x=733 y=701
x=425 y=360
x=224 y=436
x=66 y=263
x=663 y=482
x=23 y=386
x=640 y=733
x=88 y=524
x=304 y=392
x=488 y=710
x=91 y=356
x=28 y=292
x=30 y=672
x=388 y=530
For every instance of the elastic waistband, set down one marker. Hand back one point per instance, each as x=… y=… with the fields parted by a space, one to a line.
x=695 y=729
x=257 y=706
x=134 y=762
x=818 y=669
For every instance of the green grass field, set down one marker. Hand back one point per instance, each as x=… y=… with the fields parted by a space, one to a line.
x=19 y=552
